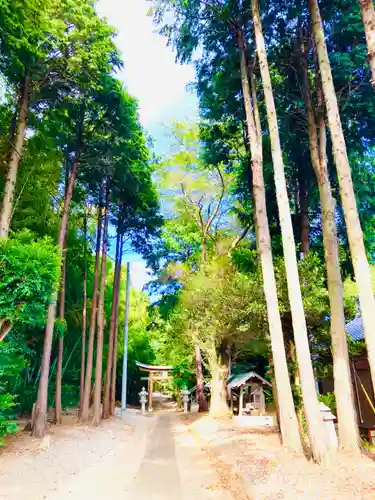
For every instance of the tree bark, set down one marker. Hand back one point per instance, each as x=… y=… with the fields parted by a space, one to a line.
x=116 y=284
x=60 y=344
x=368 y=18
x=100 y=318
x=115 y=341
x=204 y=249
x=84 y=318
x=4 y=330
x=219 y=376
x=353 y=225
x=201 y=397
x=14 y=160
x=347 y=418
x=41 y=403
x=258 y=124
x=288 y=420
x=90 y=348
x=310 y=400
x=304 y=216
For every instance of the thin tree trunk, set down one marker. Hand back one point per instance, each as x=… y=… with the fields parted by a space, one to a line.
x=353 y=225
x=41 y=403
x=60 y=343
x=296 y=381
x=347 y=419
x=108 y=374
x=14 y=161
x=90 y=348
x=304 y=216
x=201 y=397
x=288 y=419
x=258 y=124
x=115 y=337
x=100 y=318
x=310 y=400
x=204 y=248
x=368 y=18
x=84 y=318
x=4 y=331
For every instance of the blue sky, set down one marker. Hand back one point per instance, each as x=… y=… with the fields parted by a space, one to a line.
x=153 y=77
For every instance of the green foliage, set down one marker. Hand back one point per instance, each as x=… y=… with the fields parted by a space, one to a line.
x=329 y=400
x=350 y=286
x=140 y=343
x=220 y=306
x=28 y=271
x=60 y=327
x=80 y=114
x=11 y=364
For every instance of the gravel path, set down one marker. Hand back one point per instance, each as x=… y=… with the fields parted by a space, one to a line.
x=268 y=472
x=173 y=457
x=138 y=457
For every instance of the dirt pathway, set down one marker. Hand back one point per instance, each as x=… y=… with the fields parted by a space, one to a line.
x=158 y=475
x=139 y=457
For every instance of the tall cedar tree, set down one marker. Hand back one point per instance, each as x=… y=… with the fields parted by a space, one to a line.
x=355 y=235
x=310 y=400
x=110 y=357
x=347 y=421
x=100 y=316
x=84 y=415
x=287 y=414
x=41 y=404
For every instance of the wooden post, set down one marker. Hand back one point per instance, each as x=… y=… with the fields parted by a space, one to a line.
x=357 y=393
x=262 y=401
x=240 y=404
x=150 y=389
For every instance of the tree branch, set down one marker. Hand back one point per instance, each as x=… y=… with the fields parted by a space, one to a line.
x=238 y=239
x=217 y=207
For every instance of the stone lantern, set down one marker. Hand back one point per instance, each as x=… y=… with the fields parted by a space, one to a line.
x=143 y=399
x=185 y=398
x=329 y=426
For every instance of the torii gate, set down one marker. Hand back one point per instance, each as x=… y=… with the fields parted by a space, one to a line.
x=155 y=373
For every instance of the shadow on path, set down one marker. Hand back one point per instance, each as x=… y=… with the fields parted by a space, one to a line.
x=158 y=476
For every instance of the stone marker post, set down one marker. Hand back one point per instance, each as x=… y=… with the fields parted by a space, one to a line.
x=328 y=421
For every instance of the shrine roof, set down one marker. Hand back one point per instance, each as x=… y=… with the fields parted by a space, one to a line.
x=243 y=378
x=153 y=368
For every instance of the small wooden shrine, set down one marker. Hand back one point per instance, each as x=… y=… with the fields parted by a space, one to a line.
x=249 y=385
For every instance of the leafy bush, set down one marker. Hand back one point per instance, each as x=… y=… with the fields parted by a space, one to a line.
x=28 y=273
x=329 y=400
x=6 y=413
x=11 y=364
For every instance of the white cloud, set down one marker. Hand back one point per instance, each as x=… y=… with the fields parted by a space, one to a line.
x=139 y=274
x=151 y=73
